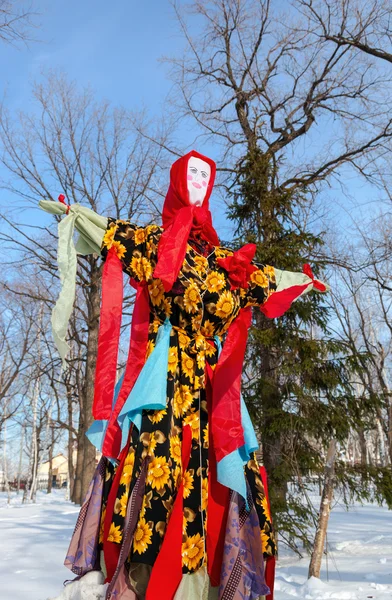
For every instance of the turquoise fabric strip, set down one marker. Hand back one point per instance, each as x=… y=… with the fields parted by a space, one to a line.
x=96 y=431
x=230 y=470
x=150 y=389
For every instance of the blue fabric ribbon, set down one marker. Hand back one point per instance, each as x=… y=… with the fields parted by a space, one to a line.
x=149 y=391
x=96 y=432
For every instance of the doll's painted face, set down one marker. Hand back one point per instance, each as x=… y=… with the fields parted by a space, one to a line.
x=198 y=176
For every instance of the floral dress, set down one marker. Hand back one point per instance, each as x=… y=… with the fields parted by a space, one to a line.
x=201 y=306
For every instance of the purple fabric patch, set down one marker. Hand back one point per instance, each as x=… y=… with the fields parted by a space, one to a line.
x=82 y=553
x=120 y=586
x=242 y=575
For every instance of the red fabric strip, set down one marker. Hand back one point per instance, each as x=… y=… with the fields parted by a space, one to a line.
x=269 y=575
x=226 y=423
x=218 y=503
x=109 y=336
x=166 y=573
x=172 y=247
x=135 y=361
x=111 y=550
x=269 y=568
x=279 y=302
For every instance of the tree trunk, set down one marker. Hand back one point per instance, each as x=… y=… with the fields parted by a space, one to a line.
x=89 y=455
x=80 y=440
x=50 y=472
x=71 y=471
x=363 y=447
x=325 y=509
x=22 y=436
x=5 y=464
x=86 y=451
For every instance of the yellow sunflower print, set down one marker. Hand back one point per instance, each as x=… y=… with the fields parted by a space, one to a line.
x=140 y=236
x=194 y=421
x=201 y=263
x=119 y=249
x=156 y=291
x=259 y=278
x=175 y=448
x=192 y=551
x=142 y=537
x=115 y=534
x=204 y=493
x=183 y=340
x=141 y=266
x=150 y=348
x=188 y=366
x=108 y=238
x=208 y=329
x=121 y=505
x=182 y=400
x=188 y=483
x=225 y=305
x=173 y=359
x=215 y=281
x=191 y=298
x=270 y=272
x=205 y=436
x=158 y=472
x=128 y=469
x=157 y=416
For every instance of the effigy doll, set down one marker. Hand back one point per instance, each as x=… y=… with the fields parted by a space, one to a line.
x=177 y=508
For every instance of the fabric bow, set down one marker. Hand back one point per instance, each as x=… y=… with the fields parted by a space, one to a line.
x=318 y=285
x=239 y=266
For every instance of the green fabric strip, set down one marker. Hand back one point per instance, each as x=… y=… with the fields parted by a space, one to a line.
x=91 y=228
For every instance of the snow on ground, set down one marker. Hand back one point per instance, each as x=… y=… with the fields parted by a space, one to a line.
x=359 y=561
x=33 y=542
x=35 y=537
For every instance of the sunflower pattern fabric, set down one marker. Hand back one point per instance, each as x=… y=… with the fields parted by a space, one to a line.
x=200 y=306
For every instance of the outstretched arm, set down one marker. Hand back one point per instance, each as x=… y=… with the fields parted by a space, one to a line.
x=89 y=224
x=275 y=290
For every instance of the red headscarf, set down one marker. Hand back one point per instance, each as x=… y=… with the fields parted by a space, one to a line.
x=181 y=219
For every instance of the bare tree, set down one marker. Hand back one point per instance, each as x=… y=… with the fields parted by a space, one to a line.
x=258 y=76
x=16 y=21
x=361 y=25
x=91 y=153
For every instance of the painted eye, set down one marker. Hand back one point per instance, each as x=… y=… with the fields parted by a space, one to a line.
x=204 y=174
x=193 y=170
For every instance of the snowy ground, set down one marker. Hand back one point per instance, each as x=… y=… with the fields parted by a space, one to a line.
x=34 y=538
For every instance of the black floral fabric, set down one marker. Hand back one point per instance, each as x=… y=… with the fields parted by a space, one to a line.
x=200 y=306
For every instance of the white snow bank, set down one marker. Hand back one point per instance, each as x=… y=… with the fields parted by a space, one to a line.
x=33 y=541
x=89 y=587
x=359 y=562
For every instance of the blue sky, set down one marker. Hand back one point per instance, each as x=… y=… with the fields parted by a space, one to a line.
x=114 y=46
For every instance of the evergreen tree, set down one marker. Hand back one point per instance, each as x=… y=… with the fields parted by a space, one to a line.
x=299 y=386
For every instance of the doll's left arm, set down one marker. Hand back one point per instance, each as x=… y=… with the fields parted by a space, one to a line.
x=275 y=290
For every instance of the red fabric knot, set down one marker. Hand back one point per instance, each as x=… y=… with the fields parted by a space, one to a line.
x=318 y=285
x=239 y=266
x=61 y=199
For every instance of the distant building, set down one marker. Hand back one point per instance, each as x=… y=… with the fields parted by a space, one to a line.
x=59 y=472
